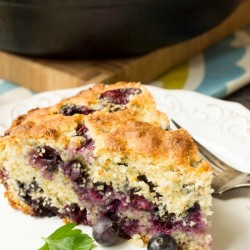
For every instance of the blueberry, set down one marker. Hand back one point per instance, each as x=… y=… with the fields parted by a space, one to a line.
x=40 y=206
x=149 y=183
x=119 y=96
x=81 y=130
x=76 y=214
x=47 y=159
x=86 y=111
x=162 y=242
x=105 y=232
x=75 y=171
x=71 y=109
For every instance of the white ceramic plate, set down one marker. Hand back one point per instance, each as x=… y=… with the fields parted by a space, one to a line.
x=223 y=127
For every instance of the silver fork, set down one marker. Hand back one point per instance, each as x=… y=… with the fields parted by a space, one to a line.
x=225 y=177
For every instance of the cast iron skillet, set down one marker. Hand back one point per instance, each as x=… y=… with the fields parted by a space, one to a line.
x=83 y=28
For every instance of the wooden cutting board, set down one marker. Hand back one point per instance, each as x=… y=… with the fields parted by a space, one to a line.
x=44 y=74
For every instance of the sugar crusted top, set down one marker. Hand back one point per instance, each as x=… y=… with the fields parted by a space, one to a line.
x=141 y=105
x=135 y=130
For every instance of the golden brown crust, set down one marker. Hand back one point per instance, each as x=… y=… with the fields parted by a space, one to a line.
x=15 y=203
x=47 y=127
x=144 y=139
x=86 y=97
x=127 y=134
x=2 y=178
x=90 y=95
x=49 y=124
x=15 y=123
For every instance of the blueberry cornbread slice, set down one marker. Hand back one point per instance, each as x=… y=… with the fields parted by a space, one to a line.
x=91 y=157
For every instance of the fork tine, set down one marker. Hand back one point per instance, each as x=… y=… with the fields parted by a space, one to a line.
x=218 y=164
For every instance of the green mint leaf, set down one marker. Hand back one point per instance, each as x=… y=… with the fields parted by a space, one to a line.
x=62 y=244
x=62 y=231
x=83 y=243
x=68 y=238
x=44 y=247
x=73 y=233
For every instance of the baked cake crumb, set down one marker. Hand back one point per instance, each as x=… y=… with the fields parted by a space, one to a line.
x=137 y=240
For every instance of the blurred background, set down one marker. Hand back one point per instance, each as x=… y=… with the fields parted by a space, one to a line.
x=200 y=45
